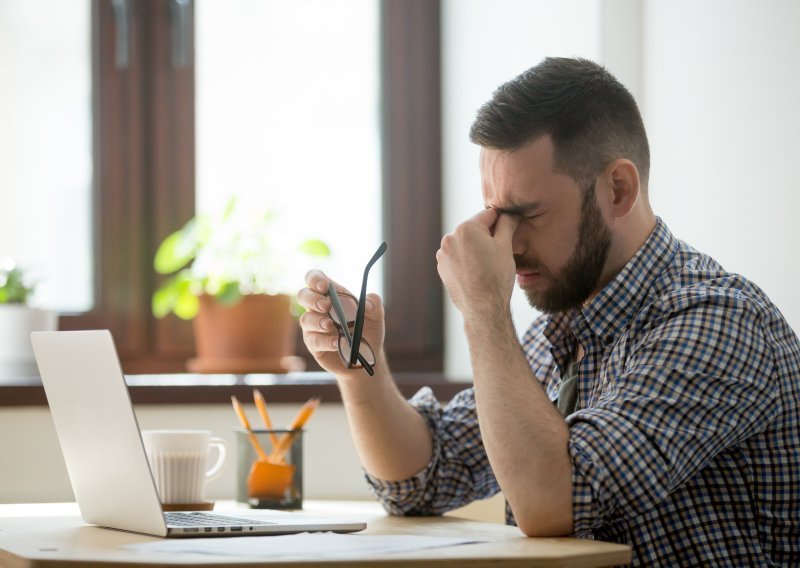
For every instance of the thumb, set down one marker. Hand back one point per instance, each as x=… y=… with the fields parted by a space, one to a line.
x=505 y=227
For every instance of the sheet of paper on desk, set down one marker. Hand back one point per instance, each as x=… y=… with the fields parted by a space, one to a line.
x=287 y=547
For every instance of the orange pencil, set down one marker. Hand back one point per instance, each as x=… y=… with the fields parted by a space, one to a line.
x=304 y=414
x=299 y=421
x=246 y=425
x=261 y=405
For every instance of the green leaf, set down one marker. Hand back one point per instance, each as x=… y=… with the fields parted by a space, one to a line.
x=187 y=305
x=176 y=295
x=229 y=294
x=314 y=247
x=13 y=289
x=173 y=254
x=164 y=299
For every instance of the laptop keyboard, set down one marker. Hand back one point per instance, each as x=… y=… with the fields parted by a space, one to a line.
x=195 y=519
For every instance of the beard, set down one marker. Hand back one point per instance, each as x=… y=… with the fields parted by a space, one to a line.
x=582 y=272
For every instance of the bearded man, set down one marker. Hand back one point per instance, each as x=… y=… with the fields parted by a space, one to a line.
x=656 y=400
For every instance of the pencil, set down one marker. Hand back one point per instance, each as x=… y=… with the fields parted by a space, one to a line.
x=299 y=421
x=246 y=425
x=261 y=405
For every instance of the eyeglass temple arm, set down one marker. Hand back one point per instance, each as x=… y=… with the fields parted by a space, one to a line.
x=362 y=300
x=337 y=307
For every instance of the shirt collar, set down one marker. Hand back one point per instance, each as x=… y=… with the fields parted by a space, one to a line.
x=608 y=314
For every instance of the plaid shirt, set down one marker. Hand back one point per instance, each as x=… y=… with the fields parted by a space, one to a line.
x=685 y=441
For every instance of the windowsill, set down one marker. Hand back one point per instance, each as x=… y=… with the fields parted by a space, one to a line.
x=189 y=388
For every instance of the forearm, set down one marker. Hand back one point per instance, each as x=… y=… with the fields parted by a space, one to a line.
x=392 y=439
x=524 y=435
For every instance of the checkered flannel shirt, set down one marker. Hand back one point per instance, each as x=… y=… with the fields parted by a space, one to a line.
x=685 y=441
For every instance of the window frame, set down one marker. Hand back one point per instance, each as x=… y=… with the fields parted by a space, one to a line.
x=144 y=172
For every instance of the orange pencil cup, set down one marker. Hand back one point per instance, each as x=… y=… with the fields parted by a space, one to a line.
x=266 y=484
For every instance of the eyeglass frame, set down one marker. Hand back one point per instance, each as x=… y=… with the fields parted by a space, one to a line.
x=345 y=333
x=344 y=330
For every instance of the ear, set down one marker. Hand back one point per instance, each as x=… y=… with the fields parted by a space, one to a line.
x=622 y=180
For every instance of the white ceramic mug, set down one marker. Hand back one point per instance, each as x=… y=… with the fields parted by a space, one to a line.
x=178 y=461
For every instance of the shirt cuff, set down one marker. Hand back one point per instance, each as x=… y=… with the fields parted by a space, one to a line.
x=408 y=496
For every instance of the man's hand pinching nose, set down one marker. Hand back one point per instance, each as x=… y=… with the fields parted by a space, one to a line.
x=476 y=262
x=505 y=223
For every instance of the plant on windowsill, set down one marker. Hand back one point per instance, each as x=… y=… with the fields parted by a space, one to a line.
x=230 y=273
x=17 y=320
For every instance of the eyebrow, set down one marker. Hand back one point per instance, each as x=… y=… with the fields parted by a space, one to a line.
x=520 y=209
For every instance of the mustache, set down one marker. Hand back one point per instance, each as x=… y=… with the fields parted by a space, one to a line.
x=524 y=263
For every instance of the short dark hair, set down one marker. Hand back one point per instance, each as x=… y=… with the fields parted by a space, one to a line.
x=591 y=117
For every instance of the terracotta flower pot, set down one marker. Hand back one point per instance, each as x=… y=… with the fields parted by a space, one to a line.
x=255 y=335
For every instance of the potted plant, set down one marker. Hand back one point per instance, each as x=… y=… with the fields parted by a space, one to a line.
x=230 y=274
x=18 y=320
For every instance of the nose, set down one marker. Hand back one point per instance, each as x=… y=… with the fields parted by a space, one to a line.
x=518 y=244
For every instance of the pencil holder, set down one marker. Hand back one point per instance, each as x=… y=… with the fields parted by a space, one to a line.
x=274 y=484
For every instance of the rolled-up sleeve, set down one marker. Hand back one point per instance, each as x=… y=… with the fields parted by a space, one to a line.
x=696 y=384
x=458 y=472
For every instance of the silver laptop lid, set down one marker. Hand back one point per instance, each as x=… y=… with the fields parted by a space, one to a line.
x=98 y=430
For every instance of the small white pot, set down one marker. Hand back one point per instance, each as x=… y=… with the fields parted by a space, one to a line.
x=17 y=321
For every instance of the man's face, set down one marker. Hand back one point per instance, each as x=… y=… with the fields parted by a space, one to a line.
x=561 y=243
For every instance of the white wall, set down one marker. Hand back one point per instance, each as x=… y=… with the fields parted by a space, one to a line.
x=718 y=83
x=722 y=106
x=32 y=468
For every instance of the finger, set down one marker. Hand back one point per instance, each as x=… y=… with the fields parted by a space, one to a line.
x=317 y=283
x=320 y=342
x=486 y=218
x=505 y=227
x=374 y=307
x=313 y=321
x=311 y=300
x=316 y=280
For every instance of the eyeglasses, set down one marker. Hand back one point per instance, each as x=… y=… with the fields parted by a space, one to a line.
x=348 y=315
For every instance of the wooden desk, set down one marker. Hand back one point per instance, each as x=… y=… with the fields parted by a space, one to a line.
x=54 y=536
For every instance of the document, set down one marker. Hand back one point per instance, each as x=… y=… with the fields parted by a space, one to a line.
x=329 y=546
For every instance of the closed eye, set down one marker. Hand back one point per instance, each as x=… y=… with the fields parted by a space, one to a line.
x=526 y=210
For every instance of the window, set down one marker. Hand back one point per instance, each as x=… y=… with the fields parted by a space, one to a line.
x=46 y=148
x=288 y=120
x=146 y=182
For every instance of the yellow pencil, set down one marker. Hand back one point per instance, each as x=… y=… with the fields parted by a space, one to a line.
x=299 y=421
x=261 y=405
x=246 y=425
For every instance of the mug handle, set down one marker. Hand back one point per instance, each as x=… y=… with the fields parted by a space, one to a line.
x=222 y=447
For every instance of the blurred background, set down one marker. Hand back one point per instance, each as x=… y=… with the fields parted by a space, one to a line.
x=348 y=119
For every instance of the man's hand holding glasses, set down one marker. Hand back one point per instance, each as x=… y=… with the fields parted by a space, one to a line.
x=343 y=333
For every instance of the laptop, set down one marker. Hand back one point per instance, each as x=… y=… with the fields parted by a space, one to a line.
x=105 y=456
